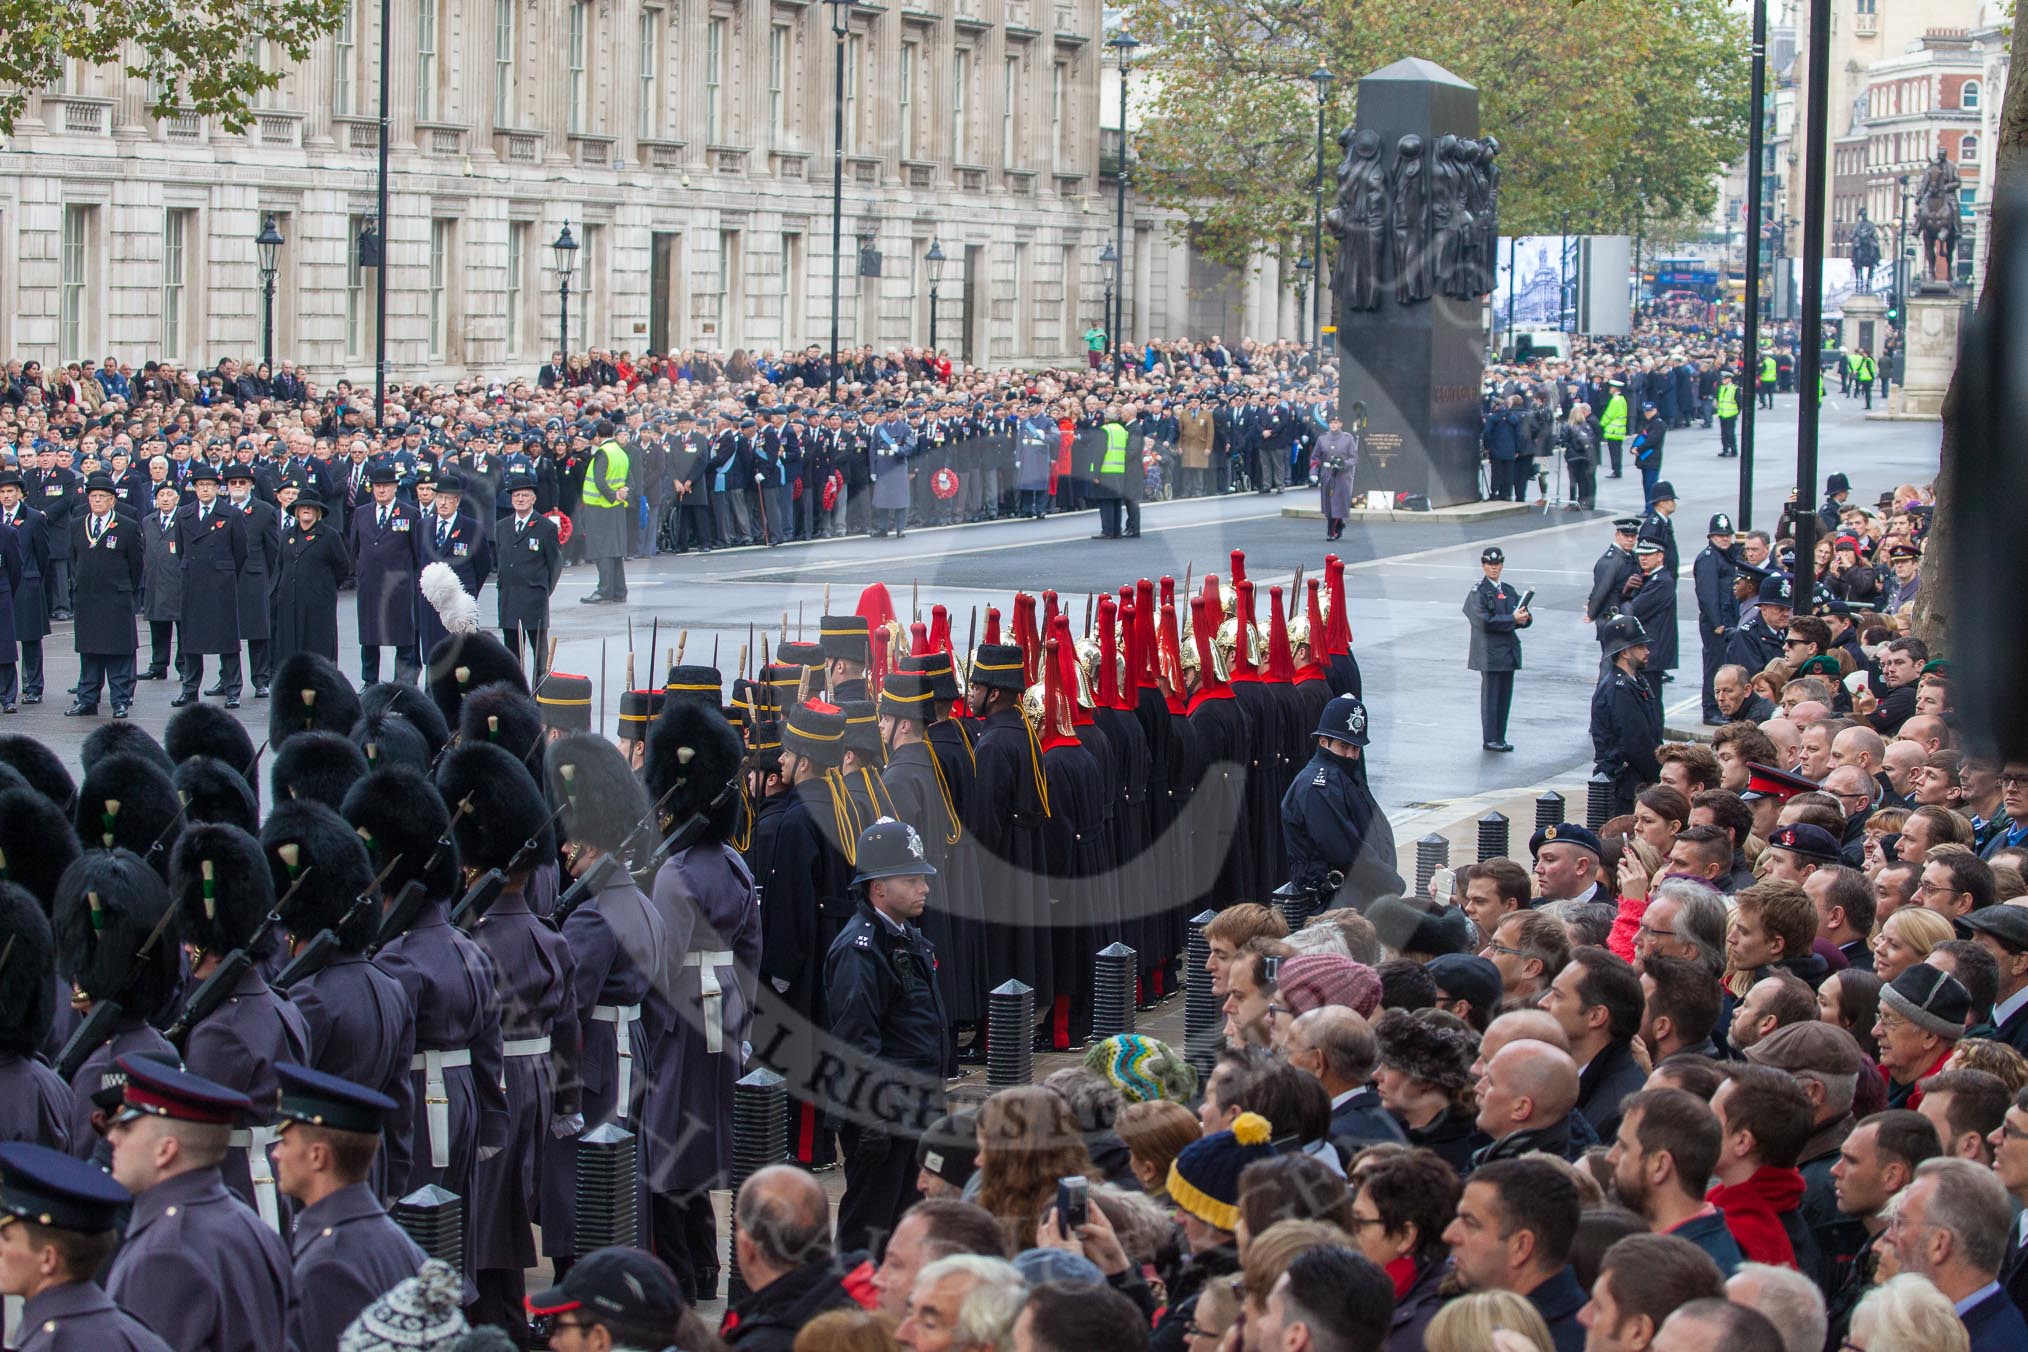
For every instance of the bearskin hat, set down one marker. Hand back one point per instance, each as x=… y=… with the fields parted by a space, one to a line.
x=108 y=905
x=311 y=841
x=389 y=739
x=122 y=739
x=41 y=767
x=316 y=765
x=213 y=791
x=506 y=716
x=464 y=662
x=221 y=888
x=399 y=697
x=206 y=730
x=508 y=809
x=601 y=797
x=37 y=843
x=27 y=972
x=129 y=803
x=399 y=813
x=692 y=754
x=310 y=694
x=10 y=778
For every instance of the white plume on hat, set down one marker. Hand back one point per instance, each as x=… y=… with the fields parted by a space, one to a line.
x=453 y=604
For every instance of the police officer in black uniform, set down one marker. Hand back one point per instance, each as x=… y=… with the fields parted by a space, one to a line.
x=1609 y=576
x=1713 y=570
x=1496 y=615
x=1335 y=835
x=1626 y=716
x=881 y=990
x=1758 y=641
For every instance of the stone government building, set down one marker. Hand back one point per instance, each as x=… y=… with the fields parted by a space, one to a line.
x=688 y=144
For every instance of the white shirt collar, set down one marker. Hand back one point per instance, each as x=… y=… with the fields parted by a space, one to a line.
x=2009 y=1007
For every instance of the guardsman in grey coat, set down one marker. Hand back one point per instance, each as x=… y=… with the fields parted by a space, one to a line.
x=106 y=555
x=257 y=579
x=529 y=562
x=212 y=539
x=197 y=1266
x=347 y=1251
x=35 y=1103
x=1496 y=615
x=387 y=561
x=65 y=1216
x=161 y=580
x=31 y=600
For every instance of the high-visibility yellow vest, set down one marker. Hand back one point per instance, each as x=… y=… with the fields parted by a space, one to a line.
x=1864 y=367
x=595 y=494
x=1115 y=461
x=1728 y=401
x=1612 y=424
x=1768 y=374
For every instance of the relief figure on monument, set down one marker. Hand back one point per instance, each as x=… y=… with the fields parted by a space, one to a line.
x=1450 y=216
x=1411 y=222
x=1359 y=220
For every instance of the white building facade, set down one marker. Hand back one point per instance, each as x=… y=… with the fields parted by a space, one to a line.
x=686 y=142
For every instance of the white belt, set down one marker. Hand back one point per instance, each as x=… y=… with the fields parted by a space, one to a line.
x=255 y=1141
x=622 y=1018
x=520 y=1046
x=437 y=1098
x=707 y=961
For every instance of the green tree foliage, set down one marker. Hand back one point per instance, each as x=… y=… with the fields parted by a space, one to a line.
x=200 y=55
x=1607 y=111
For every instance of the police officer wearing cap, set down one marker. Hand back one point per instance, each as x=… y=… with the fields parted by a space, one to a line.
x=1653 y=603
x=1714 y=570
x=198 y=1267
x=106 y=548
x=347 y=1251
x=1496 y=615
x=530 y=560
x=1335 y=835
x=881 y=990
x=59 y=1222
x=1758 y=639
x=1626 y=717
x=1610 y=572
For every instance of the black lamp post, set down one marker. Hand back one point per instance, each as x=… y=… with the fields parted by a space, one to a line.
x=1322 y=79
x=1749 y=335
x=934 y=261
x=1123 y=44
x=268 y=243
x=1901 y=246
x=1108 y=259
x=1303 y=269
x=841 y=25
x=565 y=249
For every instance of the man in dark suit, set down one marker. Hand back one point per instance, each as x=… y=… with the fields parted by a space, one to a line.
x=386 y=560
x=263 y=561
x=31 y=603
x=1335 y=1044
x=211 y=538
x=452 y=536
x=107 y=551
x=530 y=562
x=2003 y=932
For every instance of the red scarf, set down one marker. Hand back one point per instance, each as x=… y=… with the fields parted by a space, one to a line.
x=1403 y=1271
x=1753 y=1212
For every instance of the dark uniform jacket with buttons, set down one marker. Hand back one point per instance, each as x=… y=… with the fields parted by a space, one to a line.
x=1626 y=727
x=348 y=1253
x=1331 y=823
x=881 y=990
x=200 y=1269
x=79 y=1317
x=108 y=579
x=1496 y=644
x=214 y=550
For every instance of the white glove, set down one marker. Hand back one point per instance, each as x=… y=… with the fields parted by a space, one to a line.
x=781 y=985
x=487 y=1152
x=566 y=1125
x=760 y=478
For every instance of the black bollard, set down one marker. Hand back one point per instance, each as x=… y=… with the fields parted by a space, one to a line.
x=760 y=1137
x=1598 y=800
x=1010 y=1035
x=608 y=1208
x=1548 y=809
x=1432 y=852
x=1201 y=1019
x=435 y=1219
x=1492 y=836
x=1112 y=996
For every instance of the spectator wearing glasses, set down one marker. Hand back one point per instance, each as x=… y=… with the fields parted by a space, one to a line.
x=2003 y=932
x=1952 y=1227
x=2012 y=834
x=1955 y=882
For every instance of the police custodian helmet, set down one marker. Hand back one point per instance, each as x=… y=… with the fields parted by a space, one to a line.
x=1344 y=719
x=891 y=849
x=1620 y=633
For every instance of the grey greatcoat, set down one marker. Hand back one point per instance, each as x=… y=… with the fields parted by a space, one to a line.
x=348 y=1253
x=200 y=1270
x=1496 y=644
x=161 y=569
x=893 y=445
x=1333 y=462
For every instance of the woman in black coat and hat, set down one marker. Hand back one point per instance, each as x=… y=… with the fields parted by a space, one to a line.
x=313 y=564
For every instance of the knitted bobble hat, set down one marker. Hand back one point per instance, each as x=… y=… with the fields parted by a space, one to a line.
x=1204 y=1180
x=1142 y=1068
x=422 y=1311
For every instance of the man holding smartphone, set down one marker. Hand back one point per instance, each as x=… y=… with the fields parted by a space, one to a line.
x=1497 y=613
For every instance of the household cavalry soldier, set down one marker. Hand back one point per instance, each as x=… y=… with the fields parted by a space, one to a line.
x=108 y=559
x=1497 y=616
x=1007 y=814
x=347 y=1251
x=1714 y=569
x=31 y=601
x=197 y=1266
x=59 y=1222
x=212 y=539
x=507 y=830
x=387 y=560
x=1626 y=717
x=880 y=986
x=257 y=578
x=530 y=560
x=223 y=894
x=617 y=946
x=709 y=905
